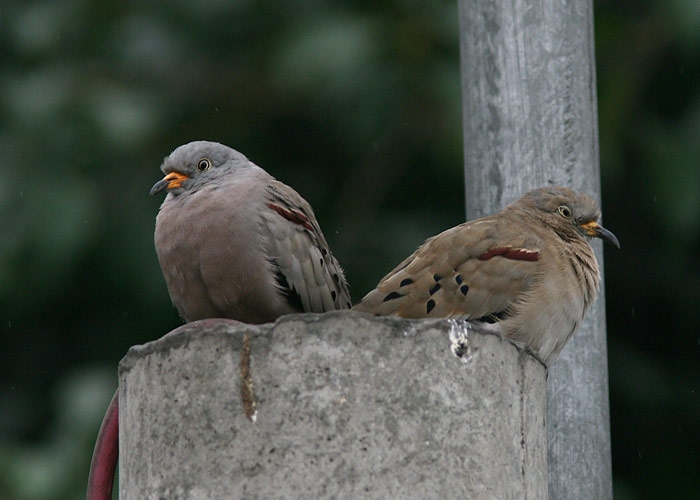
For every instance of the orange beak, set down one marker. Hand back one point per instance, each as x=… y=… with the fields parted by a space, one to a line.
x=595 y=230
x=171 y=181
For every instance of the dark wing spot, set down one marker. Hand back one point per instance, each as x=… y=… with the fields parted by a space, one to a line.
x=406 y=281
x=392 y=296
x=350 y=307
x=437 y=277
x=336 y=278
x=333 y=295
x=434 y=288
x=324 y=251
x=430 y=306
x=459 y=279
x=464 y=289
x=293 y=297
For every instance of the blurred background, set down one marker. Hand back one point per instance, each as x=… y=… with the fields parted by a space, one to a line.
x=355 y=104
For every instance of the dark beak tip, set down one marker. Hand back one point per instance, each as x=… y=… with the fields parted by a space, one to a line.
x=158 y=187
x=608 y=236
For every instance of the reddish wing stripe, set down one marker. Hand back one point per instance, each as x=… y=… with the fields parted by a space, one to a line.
x=511 y=253
x=292 y=215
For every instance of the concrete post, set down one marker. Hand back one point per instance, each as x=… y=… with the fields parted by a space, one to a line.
x=340 y=405
x=529 y=109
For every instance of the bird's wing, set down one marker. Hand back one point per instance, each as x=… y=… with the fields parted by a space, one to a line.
x=470 y=271
x=307 y=273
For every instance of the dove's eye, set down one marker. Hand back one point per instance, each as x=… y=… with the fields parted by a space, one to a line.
x=564 y=211
x=204 y=164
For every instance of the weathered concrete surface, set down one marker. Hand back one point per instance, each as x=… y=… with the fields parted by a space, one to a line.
x=346 y=406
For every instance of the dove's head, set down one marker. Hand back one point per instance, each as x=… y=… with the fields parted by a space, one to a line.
x=567 y=212
x=197 y=164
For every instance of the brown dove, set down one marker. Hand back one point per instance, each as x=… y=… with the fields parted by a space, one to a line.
x=234 y=242
x=527 y=273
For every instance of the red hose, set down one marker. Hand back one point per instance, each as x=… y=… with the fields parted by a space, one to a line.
x=104 y=457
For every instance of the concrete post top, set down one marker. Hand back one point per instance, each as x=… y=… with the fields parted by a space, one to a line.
x=351 y=322
x=333 y=406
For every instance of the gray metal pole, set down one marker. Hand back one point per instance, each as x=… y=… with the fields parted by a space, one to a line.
x=529 y=104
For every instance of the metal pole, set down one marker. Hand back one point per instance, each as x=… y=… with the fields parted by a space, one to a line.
x=529 y=106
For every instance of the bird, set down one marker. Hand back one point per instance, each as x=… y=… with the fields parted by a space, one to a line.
x=527 y=273
x=234 y=242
